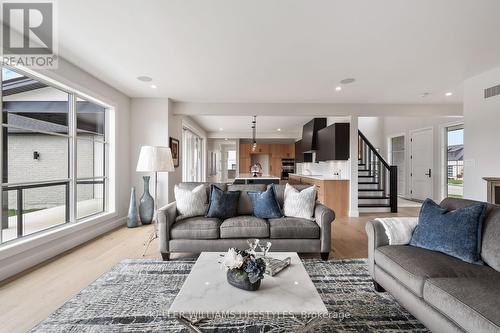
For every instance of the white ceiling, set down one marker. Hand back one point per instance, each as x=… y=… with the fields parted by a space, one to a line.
x=241 y=126
x=283 y=50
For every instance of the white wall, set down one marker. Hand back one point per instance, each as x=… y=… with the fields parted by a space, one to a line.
x=482 y=134
x=149 y=119
x=373 y=129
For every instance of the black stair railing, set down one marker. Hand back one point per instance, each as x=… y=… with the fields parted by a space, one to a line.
x=385 y=176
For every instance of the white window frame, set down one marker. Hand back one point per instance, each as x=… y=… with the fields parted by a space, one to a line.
x=108 y=173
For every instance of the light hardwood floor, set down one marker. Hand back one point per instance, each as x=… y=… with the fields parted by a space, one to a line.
x=31 y=296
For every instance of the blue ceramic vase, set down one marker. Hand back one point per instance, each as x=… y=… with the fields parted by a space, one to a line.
x=132 y=211
x=146 y=206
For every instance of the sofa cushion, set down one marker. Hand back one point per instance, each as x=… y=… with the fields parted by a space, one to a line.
x=245 y=204
x=198 y=227
x=294 y=228
x=299 y=203
x=264 y=204
x=491 y=229
x=412 y=266
x=472 y=303
x=279 y=191
x=244 y=227
x=191 y=185
x=191 y=202
x=223 y=205
x=456 y=232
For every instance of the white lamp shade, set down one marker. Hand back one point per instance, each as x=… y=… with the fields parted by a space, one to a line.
x=155 y=159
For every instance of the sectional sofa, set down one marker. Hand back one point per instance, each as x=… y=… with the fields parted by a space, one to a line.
x=198 y=234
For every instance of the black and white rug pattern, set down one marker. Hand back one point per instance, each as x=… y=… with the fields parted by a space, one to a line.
x=136 y=294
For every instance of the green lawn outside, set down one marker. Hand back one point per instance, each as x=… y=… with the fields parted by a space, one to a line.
x=455 y=181
x=13 y=212
x=455 y=196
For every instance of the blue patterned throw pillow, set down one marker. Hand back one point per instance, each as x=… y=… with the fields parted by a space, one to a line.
x=265 y=205
x=223 y=205
x=456 y=233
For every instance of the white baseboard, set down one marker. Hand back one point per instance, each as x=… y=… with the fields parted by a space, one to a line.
x=354 y=213
x=17 y=262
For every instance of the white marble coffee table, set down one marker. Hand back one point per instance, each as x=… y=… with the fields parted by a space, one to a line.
x=206 y=293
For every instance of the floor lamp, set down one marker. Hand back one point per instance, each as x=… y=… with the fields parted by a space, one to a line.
x=154 y=159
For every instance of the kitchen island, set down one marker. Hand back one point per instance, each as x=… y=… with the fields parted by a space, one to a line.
x=247 y=178
x=332 y=192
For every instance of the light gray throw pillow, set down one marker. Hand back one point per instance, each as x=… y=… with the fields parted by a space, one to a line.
x=299 y=203
x=191 y=202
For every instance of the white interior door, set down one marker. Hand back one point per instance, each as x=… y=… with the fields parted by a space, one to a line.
x=421 y=157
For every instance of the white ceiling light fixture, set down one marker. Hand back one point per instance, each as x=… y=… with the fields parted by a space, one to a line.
x=278 y=129
x=448 y=94
x=338 y=88
x=153 y=86
x=221 y=129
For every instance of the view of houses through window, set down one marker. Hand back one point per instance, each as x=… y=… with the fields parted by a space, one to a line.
x=53 y=156
x=455 y=165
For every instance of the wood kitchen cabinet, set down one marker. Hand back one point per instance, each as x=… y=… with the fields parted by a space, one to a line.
x=276 y=152
x=332 y=193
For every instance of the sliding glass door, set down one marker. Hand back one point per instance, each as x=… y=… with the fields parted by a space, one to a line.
x=192 y=156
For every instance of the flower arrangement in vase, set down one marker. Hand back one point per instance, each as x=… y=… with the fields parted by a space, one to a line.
x=243 y=270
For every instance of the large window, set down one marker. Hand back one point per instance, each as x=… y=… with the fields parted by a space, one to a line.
x=53 y=156
x=455 y=161
x=192 y=156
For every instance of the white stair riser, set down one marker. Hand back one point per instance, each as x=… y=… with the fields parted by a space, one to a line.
x=368 y=186
x=374 y=209
x=370 y=193
x=373 y=201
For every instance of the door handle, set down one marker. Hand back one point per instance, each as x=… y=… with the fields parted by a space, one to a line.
x=429 y=173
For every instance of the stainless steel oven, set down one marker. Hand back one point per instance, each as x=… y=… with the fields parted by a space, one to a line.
x=287 y=167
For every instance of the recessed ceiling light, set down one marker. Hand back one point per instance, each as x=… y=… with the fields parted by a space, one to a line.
x=348 y=80
x=153 y=86
x=221 y=129
x=278 y=129
x=144 y=78
x=448 y=94
x=338 y=88
x=425 y=94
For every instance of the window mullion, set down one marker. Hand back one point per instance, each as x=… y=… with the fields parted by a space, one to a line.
x=72 y=158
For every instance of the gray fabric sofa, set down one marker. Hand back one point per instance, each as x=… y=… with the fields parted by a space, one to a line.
x=444 y=293
x=198 y=234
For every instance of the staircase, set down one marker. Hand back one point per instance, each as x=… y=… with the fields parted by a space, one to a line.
x=377 y=180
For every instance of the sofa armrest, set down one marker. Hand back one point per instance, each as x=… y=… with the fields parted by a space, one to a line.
x=166 y=218
x=324 y=217
x=376 y=238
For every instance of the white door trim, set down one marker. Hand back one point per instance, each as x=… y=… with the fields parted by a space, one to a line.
x=411 y=132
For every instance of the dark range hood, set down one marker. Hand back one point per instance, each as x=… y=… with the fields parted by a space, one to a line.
x=310 y=130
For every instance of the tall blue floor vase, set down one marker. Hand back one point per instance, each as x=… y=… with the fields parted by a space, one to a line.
x=132 y=211
x=146 y=206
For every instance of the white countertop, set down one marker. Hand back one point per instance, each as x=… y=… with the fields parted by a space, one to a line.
x=249 y=176
x=319 y=177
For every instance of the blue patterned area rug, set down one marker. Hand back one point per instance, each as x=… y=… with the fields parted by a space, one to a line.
x=136 y=294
